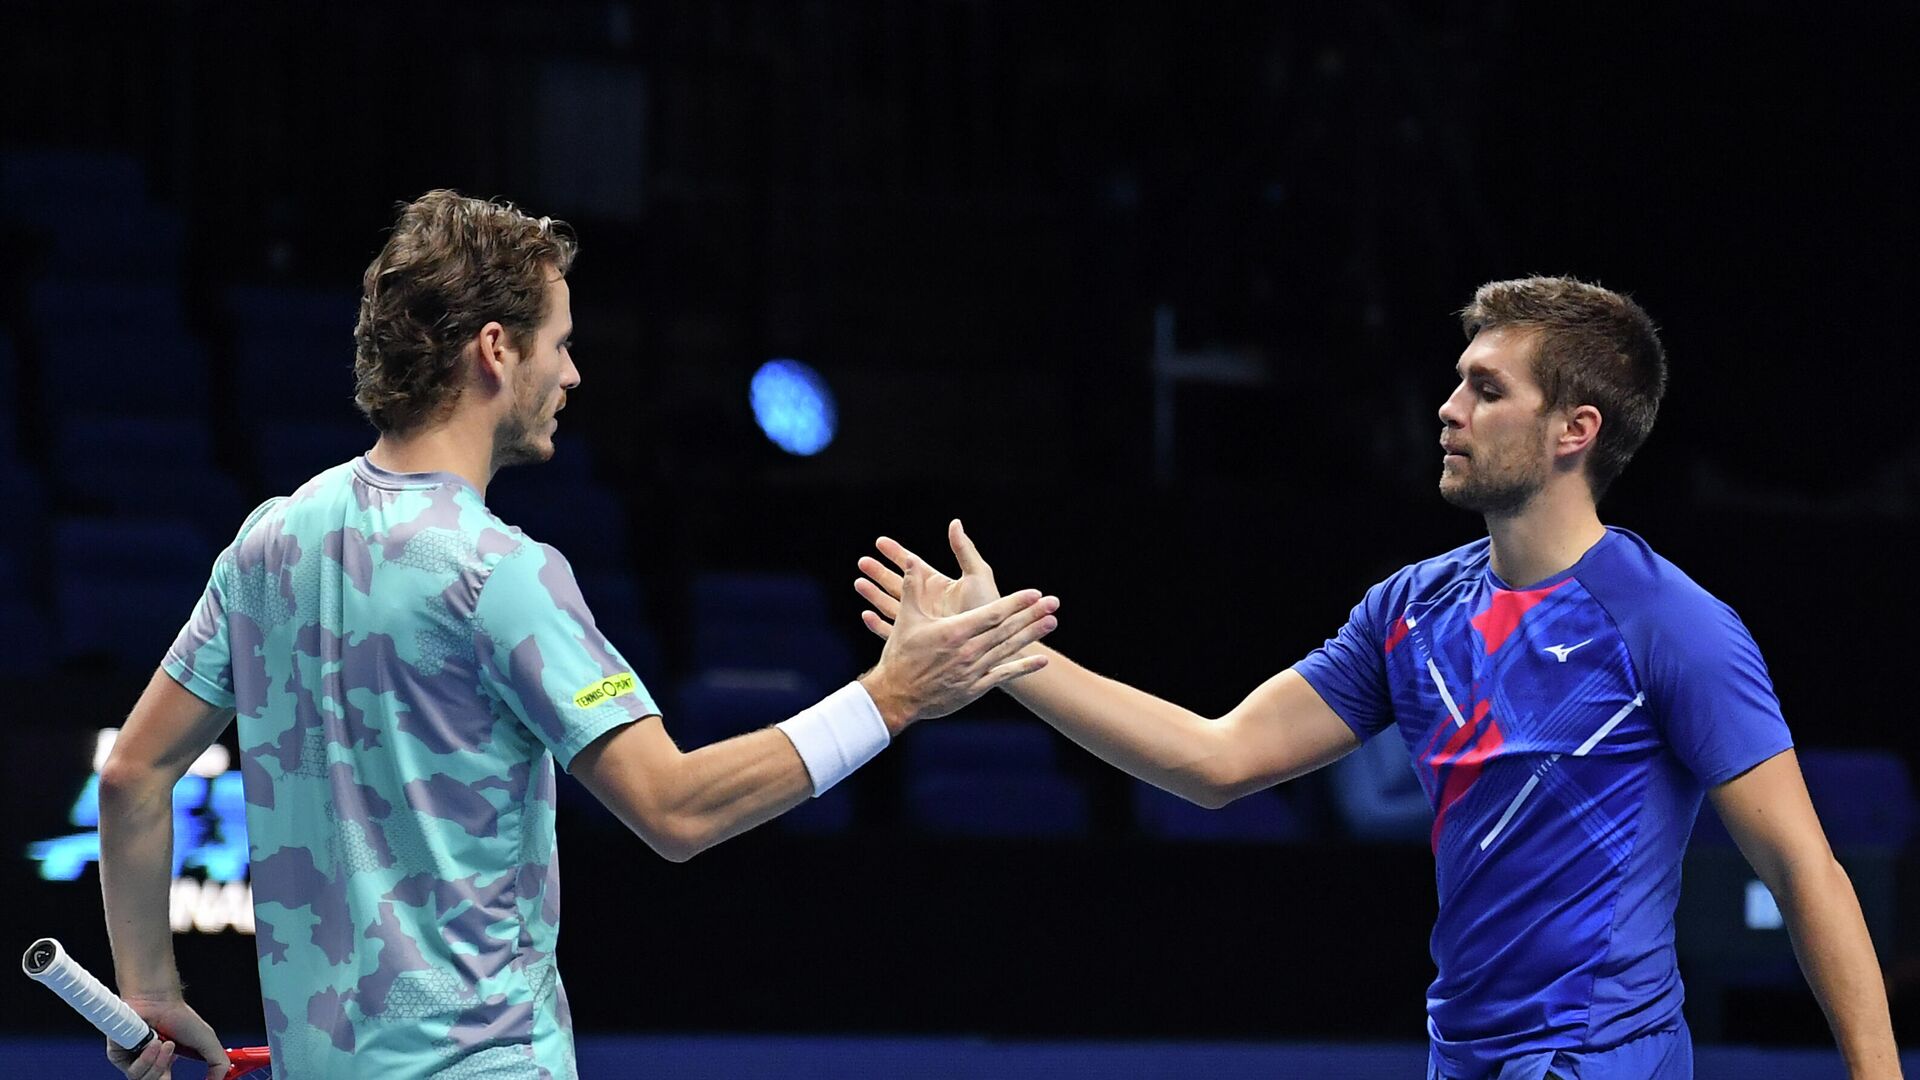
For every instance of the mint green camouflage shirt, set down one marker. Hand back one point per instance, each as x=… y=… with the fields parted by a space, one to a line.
x=405 y=669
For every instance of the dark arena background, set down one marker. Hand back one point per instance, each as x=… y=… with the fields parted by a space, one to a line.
x=1157 y=298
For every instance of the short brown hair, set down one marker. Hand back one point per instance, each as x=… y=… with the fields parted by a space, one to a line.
x=1595 y=347
x=452 y=265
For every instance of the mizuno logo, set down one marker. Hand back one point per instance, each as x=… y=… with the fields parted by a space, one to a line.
x=1561 y=652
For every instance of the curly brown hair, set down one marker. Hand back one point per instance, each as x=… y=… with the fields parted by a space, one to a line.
x=1595 y=347
x=452 y=265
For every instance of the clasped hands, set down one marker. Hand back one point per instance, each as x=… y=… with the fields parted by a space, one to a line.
x=948 y=640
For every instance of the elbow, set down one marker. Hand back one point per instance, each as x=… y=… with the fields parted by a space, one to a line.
x=1209 y=796
x=1207 y=792
x=125 y=782
x=1215 y=781
x=676 y=839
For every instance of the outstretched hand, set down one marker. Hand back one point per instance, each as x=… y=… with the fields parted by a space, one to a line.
x=941 y=595
x=939 y=656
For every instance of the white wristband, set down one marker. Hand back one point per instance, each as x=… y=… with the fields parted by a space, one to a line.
x=840 y=733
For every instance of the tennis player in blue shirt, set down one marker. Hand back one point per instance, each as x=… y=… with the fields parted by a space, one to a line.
x=1568 y=696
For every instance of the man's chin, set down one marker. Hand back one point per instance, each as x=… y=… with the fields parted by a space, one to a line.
x=533 y=451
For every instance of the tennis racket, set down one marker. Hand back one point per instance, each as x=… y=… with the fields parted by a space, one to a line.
x=48 y=964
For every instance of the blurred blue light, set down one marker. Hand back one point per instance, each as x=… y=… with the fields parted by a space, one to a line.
x=793 y=406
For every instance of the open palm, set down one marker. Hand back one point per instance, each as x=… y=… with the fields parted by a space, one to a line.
x=940 y=594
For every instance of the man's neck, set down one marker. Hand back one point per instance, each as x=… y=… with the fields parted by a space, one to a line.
x=444 y=447
x=1548 y=535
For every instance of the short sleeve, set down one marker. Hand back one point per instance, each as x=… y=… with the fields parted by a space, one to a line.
x=1712 y=693
x=201 y=656
x=1349 y=672
x=540 y=653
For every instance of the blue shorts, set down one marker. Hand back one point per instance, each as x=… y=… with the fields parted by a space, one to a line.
x=1663 y=1055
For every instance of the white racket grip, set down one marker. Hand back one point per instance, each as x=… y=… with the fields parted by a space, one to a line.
x=47 y=963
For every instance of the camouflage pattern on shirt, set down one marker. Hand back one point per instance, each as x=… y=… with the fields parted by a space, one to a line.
x=405 y=669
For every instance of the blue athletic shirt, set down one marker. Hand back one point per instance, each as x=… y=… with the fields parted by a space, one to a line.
x=1565 y=735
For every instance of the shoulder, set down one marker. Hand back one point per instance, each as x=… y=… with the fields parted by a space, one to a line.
x=1664 y=614
x=1634 y=582
x=1431 y=577
x=517 y=569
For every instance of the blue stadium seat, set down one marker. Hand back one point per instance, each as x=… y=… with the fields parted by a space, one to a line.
x=28 y=635
x=1000 y=805
x=148 y=467
x=23 y=501
x=292 y=352
x=587 y=522
x=1865 y=799
x=720 y=704
x=95 y=439
x=767 y=621
x=132 y=241
x=124 y=587
x=10 y=396
x=87 y=369
x=57 y=305
x=990 y=778
x=278 y=379
x=201 y=494
x=823 y=815
x=283 y=311
x=290 y=453
x=621 y=614
x=92 y=208
x=1262 y=817
x=50 y=186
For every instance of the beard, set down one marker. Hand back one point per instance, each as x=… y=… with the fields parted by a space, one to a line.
x=1499 y=485
x=520 y=439
x=1498 y=495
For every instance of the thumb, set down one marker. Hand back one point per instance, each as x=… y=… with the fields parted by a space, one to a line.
x=963 y=549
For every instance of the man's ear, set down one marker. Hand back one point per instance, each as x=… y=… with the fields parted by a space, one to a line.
x=490 y=347
x=1583 y=427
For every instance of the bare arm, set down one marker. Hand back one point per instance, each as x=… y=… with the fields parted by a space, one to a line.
x=684 y=803
x=1278 y=732
x=167 y=730
x=1770 y=816
x=1281 y=730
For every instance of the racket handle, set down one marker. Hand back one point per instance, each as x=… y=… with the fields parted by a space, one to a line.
x=47 y=963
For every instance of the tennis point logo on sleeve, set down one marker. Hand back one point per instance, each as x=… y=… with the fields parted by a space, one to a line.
x=605 y=690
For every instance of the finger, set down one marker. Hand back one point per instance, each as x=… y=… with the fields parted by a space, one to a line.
x=913 y=583
x=886 y=579
x=881 y=627
x=154 y=1063
x=1008 y=638
x=987 y=616
x=896 y=552
x=963 y=549
x=1009 y=671
x=883 y=602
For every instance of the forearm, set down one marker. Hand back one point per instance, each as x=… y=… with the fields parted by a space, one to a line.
x=1168 y=746
x=1830 y=938
x=722 y=790
x=136 y=867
